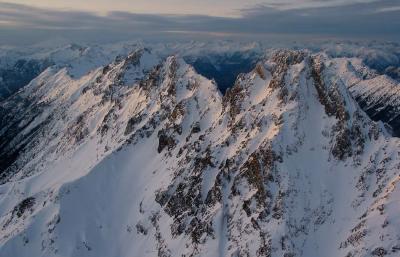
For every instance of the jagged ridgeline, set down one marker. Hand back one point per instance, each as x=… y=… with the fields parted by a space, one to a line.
x=145 y=157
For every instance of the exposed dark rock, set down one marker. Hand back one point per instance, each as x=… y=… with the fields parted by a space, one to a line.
x=380 y=251
x=234 y=98
x=260 y=71
x=198 y=228
x=152 y=78
x=132 y=122
x=78 y=131
x=22 y=207
x=196 y=128
x=165 y=141
x=342 y=148
x=257 y=170
x=329 y=98
x=215 y=194
x=283 y=59
x=141 y=229
x=178 y=111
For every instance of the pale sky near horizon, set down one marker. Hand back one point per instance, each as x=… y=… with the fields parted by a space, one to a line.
x=183 y=7
x=224 y=8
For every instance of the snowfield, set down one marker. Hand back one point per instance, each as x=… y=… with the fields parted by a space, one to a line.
x=142 y=156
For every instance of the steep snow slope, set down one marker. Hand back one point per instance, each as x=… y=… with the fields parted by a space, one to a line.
x=378 y=95
x=144 y=157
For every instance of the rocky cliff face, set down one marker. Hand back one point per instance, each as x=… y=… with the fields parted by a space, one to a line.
x=144 y=157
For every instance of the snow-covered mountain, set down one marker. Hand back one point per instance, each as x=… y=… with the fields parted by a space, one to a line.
x=378 y=95
x=19 y=66
x=218 y=60
x=145 y=157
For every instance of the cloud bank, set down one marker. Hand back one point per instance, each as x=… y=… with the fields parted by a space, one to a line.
x=25 y=24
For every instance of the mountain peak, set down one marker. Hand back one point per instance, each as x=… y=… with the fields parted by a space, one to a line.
x=177 y=169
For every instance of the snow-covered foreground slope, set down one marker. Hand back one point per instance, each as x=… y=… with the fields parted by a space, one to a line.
x=144 y=157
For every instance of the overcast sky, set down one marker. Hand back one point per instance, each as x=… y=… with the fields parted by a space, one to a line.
x=30 y=21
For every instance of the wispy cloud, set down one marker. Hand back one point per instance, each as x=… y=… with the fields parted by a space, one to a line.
x=304 y=4
x=389 y=9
